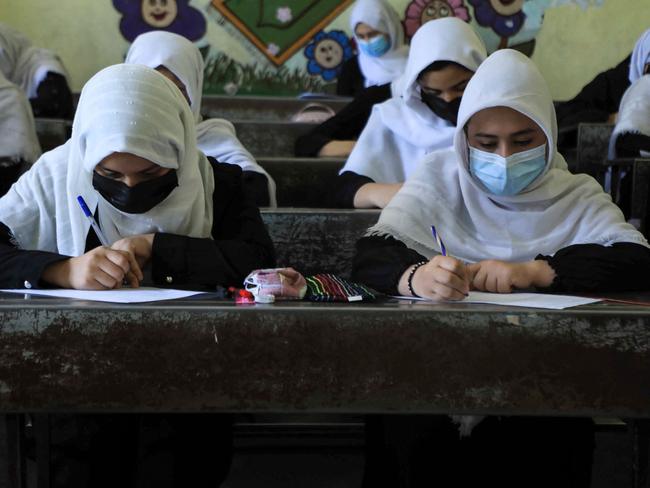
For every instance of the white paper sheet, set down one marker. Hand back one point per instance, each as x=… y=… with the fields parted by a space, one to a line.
x=123 y=295
x=532 y=300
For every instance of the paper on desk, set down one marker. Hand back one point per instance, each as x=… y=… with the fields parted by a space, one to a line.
x=532 y=300
x=123 y=295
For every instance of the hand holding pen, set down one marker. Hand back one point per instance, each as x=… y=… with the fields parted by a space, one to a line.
x=100 y=268
x=441 y=278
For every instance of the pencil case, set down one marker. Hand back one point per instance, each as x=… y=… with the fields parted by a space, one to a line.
x=269 y=285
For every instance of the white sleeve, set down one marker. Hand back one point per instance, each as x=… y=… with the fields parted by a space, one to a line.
x=377 y=153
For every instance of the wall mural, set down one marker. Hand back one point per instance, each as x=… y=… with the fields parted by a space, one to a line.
x=274 y=32
x=279 y=28
x=177 y=16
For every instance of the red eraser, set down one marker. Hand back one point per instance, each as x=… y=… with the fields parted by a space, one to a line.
x=242 y=300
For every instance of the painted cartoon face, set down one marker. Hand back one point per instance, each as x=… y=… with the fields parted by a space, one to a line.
x=507 y=7
x=328 y=53
x=159 y=13
x=437 y=9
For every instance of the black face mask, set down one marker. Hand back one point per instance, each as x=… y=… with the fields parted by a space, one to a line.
x=445 y=110
x=139 y=198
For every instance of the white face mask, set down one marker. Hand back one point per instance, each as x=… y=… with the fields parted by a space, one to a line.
x=507 y=176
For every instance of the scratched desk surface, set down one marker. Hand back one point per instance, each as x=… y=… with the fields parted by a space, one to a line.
x=203 y=354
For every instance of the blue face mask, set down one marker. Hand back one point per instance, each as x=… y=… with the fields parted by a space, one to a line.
x=375 y=47
x=507 y=176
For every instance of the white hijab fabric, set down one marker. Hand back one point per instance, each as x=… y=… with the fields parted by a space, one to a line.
x=24 y=64
x=640 y=56
x=402 y=130
x=178 y=55
x=633 y=113
x=215 y=137
x=381 y=16
x=122 y=108
x=557 y=210
x=17 y=131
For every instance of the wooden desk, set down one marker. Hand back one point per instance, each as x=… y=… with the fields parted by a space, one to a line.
x=204 y=355
x=261 y=108
x=207 y=355
x=270 y=139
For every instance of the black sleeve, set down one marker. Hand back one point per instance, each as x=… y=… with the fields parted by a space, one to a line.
x=346 y=125
x=256 y=186
x=599 y=98
x=623 y=266
x=53 y=98
x=380 y=262
x=630 y=144
x=240 y=241
x=350 y=80
x=346 y=187
x=22 y=269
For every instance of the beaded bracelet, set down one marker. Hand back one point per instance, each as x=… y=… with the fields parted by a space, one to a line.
x=409 y=280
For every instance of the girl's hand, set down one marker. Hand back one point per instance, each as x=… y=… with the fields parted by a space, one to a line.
x=502 y=277
x=442 y=278
x=102 y=268
x=140 y=246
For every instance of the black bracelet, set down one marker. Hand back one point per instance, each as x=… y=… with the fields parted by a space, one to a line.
x=409 y=280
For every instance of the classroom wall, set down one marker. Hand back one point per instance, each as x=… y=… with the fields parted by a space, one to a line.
x=573 y=44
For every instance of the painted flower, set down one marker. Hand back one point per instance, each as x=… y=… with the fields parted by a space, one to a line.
x=284 y=15
x=420 y=12
x=505 y=17
x=327 y=52
x=273 y=49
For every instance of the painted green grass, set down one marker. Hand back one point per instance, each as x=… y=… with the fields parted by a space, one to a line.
x=223 y=75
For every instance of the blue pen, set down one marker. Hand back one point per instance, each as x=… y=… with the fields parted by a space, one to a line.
x=443 y=250
x=93 y=224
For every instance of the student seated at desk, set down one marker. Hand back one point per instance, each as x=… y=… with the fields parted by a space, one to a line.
x=382 y=55
x=502 y=199
x=161 y=204
x=157 y=198
x=181 y=61
x=38 y=72
x=401 y=131
x=513 y=217
x=19 y=146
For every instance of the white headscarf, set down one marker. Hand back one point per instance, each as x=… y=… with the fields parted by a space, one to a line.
x=634 y=112
x=640 y=56
x=24 y=64
x=215 y=137
x=382 y=17
x=557 y=210
x=122 y=108
x=17 y=131
x=402 y=130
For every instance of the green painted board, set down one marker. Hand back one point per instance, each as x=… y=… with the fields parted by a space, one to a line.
x=278 y=28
